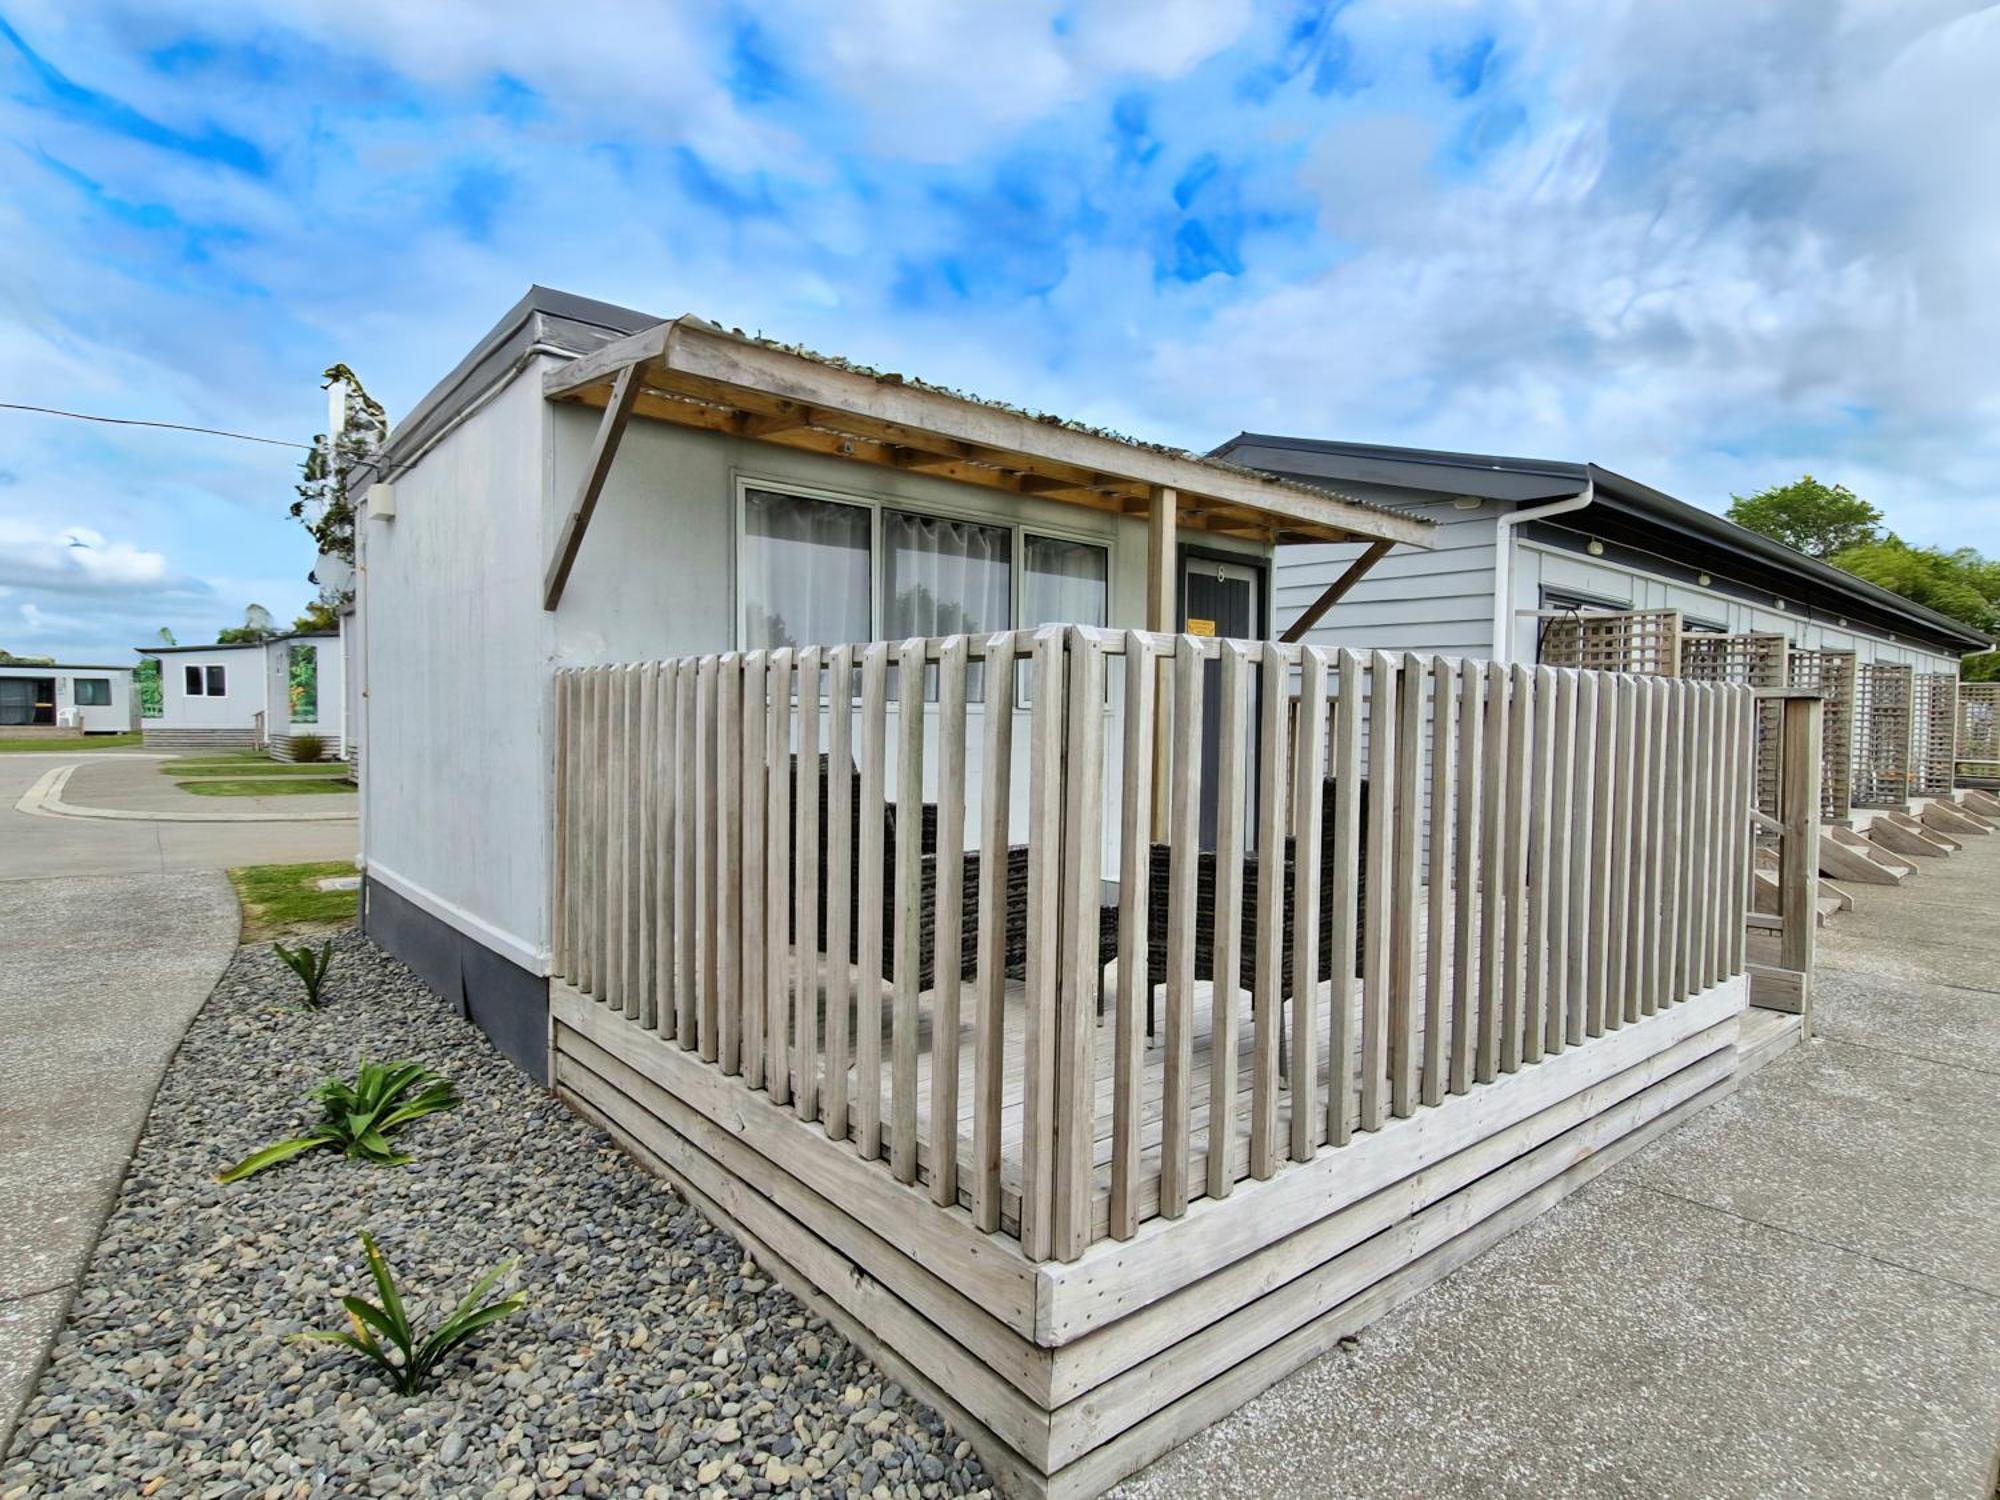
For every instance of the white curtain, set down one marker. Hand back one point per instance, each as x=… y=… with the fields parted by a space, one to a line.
x=804 y=573
x=947 y=578
x=1065 y=583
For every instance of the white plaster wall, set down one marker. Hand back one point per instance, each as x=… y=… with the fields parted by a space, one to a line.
x=455 y=778
x=244 y=677
x=657 y=573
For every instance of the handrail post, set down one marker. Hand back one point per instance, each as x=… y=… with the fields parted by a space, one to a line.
x=1800 y=730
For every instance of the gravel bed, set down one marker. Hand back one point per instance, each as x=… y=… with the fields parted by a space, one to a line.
x=654 y=1357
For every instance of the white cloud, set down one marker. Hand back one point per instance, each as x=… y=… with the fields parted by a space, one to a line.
x=76 y=559
x=1711 y=277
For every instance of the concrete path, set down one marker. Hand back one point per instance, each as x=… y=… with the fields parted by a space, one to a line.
x=33 y=847
x=111 y=936
x=101 y=976
x=1796 y=1293
x=140 y=792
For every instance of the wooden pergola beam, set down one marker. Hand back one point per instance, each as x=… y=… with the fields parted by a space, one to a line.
x=603 y=448
x=693 y=359
x=1336 y=591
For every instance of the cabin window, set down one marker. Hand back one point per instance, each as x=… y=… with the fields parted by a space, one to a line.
x=191 y=681
x=805 y=571
x=93 y=692
x=824 y=569
x=206 y=682
x=1066 y=583
x=946 y=577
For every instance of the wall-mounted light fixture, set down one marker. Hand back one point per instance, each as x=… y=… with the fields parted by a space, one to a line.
x=1466 y=502
x=1594 y=547
x=1779 y=602
x=1703 y=579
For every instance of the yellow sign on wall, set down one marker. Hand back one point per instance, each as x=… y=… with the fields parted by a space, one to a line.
x=1201 y=627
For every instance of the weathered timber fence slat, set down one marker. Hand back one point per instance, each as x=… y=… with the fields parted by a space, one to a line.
x=947 y=903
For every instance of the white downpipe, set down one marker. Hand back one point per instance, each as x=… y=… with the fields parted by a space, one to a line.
x=1503 y=561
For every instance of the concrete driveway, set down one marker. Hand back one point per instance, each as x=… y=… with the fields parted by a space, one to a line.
x=34 y=847
x=111 y=936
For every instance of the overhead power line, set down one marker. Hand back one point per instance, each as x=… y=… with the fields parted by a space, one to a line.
x=84 y=416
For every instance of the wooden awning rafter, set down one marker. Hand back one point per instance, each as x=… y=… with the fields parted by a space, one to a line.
x=694 y=374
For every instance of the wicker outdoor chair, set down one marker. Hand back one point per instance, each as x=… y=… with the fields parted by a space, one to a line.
x=1015 y=949
x=1159 y=872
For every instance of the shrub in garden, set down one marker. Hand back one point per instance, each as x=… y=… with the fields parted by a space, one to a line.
x=307 y=747
x=359 y=1117
x=406 y=1361
x=311 y=967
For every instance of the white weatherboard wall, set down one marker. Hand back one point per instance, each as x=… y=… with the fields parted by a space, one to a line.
x=1441 y=602
x=1538 y=566
x=1438 y=602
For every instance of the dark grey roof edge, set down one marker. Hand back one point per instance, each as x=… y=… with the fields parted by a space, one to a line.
x=543 y=315
x=62 y=666
x=282 y=635
x=1657 y=504
x=1549 y=467
x=1740 y=539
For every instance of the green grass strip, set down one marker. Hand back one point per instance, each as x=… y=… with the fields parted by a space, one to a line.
x=284 y=900
x=303 y=786
x=27 y=744
x=253 y=768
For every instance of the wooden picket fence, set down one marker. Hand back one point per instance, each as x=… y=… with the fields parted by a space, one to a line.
x=947 y=901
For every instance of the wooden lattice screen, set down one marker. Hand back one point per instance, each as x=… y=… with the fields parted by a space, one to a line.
x=1934 y=731
x=1646 y=641
x=1882 y=703
x=1832 y=672
x=1979 y=731
x=1758 y=659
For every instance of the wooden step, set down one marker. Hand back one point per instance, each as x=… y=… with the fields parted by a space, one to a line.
x=1846 y=855
x=1983 y=803
x=1908 y=838
x=1942 y=817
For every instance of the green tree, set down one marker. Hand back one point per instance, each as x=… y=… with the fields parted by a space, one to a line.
x=9 y=659
x=323 y=506
x=319 y=616
x=1816 y=519
x=1961 y=584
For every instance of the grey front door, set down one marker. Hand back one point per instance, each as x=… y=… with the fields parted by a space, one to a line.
x=1217 y=599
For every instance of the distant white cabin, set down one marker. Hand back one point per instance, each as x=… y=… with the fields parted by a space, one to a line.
x=64 y=696
x=254 y=695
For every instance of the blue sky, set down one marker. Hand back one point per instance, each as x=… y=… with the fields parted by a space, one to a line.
x=1712 y=246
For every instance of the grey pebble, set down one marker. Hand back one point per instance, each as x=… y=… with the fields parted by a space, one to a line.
x=174 y=1359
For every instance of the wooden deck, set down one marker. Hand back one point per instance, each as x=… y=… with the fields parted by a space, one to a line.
x=1082 y=1242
